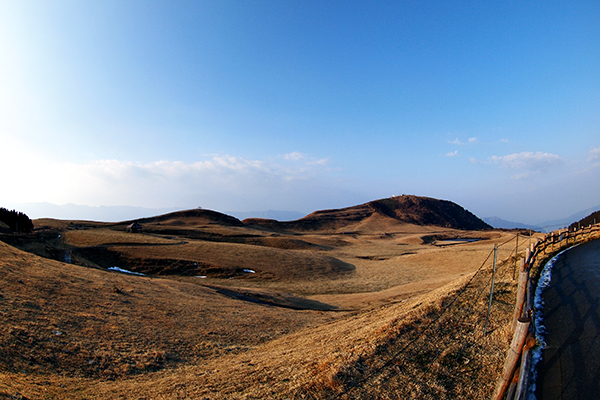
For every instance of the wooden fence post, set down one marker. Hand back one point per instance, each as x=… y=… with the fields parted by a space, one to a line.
x=531 y=251
x=524 y=378
x=521 y=290
x=521 y=345
x=513 y=358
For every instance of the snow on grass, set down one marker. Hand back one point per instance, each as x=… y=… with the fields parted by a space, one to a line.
x=249 y=271
x=125 y=271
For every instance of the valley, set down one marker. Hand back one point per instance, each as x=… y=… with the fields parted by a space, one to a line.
x=199 y=303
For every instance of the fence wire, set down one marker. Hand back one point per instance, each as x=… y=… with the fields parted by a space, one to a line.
x=460 y=316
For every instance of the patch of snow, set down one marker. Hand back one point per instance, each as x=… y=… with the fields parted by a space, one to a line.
x=125 y=271
x=249 y=271
x=201 y=276
x=538 y=320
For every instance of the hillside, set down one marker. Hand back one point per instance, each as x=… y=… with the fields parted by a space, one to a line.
x=193 y=217
x=415 y=210
x=69 y=331
x=589 y=220
x=201 y=305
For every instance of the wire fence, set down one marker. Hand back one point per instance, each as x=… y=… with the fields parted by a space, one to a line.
x=413 y=342
x=447 y=348
x=458 y=348
x=514 y=381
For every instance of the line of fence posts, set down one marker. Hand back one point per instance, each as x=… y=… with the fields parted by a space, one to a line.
x=515 y=380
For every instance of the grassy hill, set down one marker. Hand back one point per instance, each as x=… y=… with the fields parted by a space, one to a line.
x=231 y=309
x=407 y=209
x=591 y=219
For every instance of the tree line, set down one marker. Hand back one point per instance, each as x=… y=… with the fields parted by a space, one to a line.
x=16 y=220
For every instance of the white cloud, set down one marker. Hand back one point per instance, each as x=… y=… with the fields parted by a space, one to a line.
x=452 y=153
x=219 y=182
x=457 y=141
x=294 y=156
x=322 y=161
x=527 y=162
x=594 y=156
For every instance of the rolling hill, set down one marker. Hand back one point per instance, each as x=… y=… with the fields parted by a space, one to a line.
x=202 y=305
x=407 y=209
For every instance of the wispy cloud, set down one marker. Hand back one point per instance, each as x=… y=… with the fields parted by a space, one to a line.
x=452 y=153
x=219 y=181
x=321 y=161
x=594 y=157
x=528 y=163
x=294 y=156
x=457 y=141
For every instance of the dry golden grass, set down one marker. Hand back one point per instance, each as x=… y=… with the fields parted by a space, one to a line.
x=106 y=236
x=61 y=319
x=74 y=332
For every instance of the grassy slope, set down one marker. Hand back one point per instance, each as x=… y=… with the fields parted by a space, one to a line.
x=71 y=331
x=112 y=341
x=81 y=322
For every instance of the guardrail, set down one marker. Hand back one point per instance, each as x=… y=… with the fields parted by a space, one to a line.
x=514 y=382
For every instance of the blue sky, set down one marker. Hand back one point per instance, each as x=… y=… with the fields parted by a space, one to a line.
x=302 y=105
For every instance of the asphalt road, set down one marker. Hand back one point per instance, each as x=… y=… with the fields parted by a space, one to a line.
x=570 y=365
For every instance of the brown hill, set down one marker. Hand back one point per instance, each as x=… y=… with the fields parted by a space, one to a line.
x=67 y=331
x=589 y=220
x=232 y=310
x=416 y=210
x=192 y=217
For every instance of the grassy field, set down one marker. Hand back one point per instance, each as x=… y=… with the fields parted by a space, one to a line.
x=374 y=309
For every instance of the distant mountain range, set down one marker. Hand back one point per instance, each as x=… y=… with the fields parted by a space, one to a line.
x=559 y=223
x=499 y=223
x=544 y=225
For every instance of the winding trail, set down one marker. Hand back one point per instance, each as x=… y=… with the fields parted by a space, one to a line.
x=570 y=365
